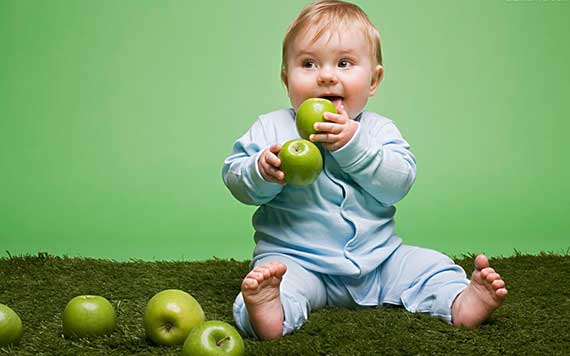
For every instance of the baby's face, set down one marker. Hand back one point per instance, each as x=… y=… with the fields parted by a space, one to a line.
x=337 y=66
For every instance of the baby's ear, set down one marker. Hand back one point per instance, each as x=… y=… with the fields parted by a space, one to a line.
x=377 y=76
x=284 y=77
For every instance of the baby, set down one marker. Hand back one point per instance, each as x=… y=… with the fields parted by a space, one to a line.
x=334 y=242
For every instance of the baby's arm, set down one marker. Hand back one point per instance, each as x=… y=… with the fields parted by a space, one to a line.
x=379 y=160
x=246 y=171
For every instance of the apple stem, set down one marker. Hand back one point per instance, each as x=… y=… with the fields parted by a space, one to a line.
x=221 y=341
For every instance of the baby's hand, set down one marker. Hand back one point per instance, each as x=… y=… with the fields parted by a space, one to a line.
x=335 y=133
x=269 y=163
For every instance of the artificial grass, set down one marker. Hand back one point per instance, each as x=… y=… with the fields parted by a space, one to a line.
x=534 y=319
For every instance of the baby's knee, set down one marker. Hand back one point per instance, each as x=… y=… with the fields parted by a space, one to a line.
x=433 y=256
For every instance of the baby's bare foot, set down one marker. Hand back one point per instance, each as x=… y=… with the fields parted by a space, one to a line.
x=260 y=290
x=481 y=298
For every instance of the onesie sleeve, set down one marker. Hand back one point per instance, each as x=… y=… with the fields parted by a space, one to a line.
x=241 y=173
x=380 y=161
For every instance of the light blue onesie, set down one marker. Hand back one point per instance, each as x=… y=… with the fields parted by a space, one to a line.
x=337 y=235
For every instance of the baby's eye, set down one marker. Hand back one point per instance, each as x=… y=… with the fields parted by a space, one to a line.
x=344 y=63
x=309 y=64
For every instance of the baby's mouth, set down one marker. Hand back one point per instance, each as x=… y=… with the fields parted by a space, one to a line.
x=336 y=100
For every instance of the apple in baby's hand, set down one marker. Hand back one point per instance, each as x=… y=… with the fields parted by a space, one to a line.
x=88 y=315
x=170 y=315
x=213 y=338
x=301 y=161
x=310 y=112
x=11 y=329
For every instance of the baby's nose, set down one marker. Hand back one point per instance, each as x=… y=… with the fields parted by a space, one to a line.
x=327 y=77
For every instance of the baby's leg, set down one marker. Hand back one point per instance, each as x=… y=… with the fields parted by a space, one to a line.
x=485 y=293
x=276 y=298
x=427 y=281
x=422 y=280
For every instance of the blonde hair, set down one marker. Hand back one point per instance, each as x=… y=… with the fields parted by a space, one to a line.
x=326 y=15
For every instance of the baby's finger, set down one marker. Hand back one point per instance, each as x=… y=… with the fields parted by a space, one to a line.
x=275 y=173
x=337 y=118
x=275 y=148
x=280 y=176
x=272 y=159
x=341 y=111
x=328 y=127
x=323 y=137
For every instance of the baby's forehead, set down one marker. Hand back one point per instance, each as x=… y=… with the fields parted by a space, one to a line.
x=311 y=35
x=309 y=29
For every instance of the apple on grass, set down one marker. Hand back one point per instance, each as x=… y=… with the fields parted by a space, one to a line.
x=88 y=315
x=301 y=161
x=310 y=112
x=170 y=315
x=213 y=338
x=11 y=328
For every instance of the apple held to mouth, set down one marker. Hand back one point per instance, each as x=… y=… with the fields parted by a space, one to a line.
x=301 y=161
x=310 y=112
x=213 y=338
x=170 y=315
x=88 y=315
x=11 y=328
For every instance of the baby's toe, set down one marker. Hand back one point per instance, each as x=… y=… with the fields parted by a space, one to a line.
x=501 y=293
x=249 y=284
x=264 y=271
x=486 y=272
x=498 y=284
x=481 y=262
x=258 y=276
x=493 y=277
x=278 y=269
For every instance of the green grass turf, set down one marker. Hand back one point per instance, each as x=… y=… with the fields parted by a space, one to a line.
x=533 y=321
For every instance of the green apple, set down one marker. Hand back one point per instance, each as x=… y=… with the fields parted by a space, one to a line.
x=170 y=315
x=88 y=315
x=11 y=329
x=301 y=161
x=311 y=111
x=213 y=338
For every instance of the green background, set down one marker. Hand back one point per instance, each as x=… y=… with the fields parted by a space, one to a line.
x=116 y=116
